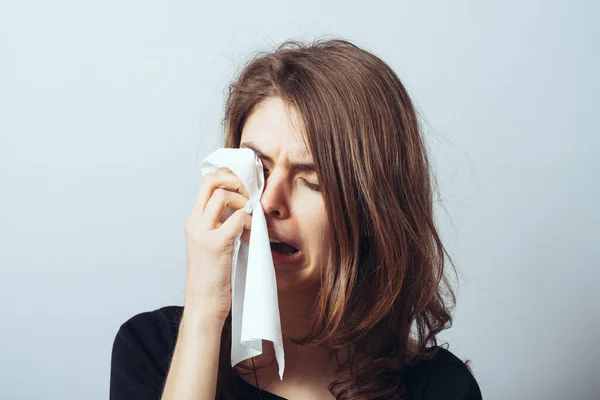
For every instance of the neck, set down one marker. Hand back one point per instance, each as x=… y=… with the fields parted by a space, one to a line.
x=295 y=311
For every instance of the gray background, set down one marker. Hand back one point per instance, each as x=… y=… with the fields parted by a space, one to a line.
x=106 y=107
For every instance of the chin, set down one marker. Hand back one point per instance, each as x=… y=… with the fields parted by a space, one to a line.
x=294 y=281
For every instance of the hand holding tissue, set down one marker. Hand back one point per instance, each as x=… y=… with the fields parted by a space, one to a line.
x=254 y=303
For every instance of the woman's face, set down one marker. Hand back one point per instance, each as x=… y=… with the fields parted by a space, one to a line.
x=293 y=205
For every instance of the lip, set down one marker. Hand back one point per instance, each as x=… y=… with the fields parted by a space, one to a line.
x=284 y=238
x=281 y=259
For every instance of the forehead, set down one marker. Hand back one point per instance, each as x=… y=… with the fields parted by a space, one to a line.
x=273 y=126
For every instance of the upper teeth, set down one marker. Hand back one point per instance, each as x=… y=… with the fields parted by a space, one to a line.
x=274 y=240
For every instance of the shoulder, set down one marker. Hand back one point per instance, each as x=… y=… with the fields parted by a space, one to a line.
x=160 y=325
x=441 y=376
x=141 y=354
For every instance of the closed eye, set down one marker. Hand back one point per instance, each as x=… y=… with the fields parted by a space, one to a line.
x=311 y=186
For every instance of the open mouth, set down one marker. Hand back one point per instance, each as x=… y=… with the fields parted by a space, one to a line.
x=284 y=253
x=283 y=248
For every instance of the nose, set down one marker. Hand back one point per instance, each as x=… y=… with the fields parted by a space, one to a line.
x=273 y=199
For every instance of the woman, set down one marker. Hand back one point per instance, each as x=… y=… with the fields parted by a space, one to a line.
x=360 y=273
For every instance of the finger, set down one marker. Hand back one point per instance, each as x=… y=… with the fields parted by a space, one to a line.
x=239 y=220
x=218 y=203
x=223 y=178
x=231 y=181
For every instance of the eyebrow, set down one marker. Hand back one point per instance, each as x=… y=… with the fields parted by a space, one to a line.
x=305 y=167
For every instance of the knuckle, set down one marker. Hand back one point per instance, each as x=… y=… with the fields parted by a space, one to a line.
x=220 y=194
x=242 y=215
x=207 y=182
x=209 y=178
x=240 y=188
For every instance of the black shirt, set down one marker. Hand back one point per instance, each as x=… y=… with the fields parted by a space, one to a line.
x=144 y=345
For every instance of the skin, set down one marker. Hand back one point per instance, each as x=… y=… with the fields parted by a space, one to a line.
x=291 y=206
x=291 y=199
x=292 y=203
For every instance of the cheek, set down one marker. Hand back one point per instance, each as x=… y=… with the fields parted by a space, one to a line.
x=311 y=208
x=315 y=228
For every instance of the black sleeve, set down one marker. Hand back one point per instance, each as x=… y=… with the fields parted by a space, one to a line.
x=141 y=354
x=450 y=379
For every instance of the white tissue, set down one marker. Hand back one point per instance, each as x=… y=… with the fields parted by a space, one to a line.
x=254 y=308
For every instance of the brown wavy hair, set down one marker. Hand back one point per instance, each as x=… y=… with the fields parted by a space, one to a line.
x=384 y=294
